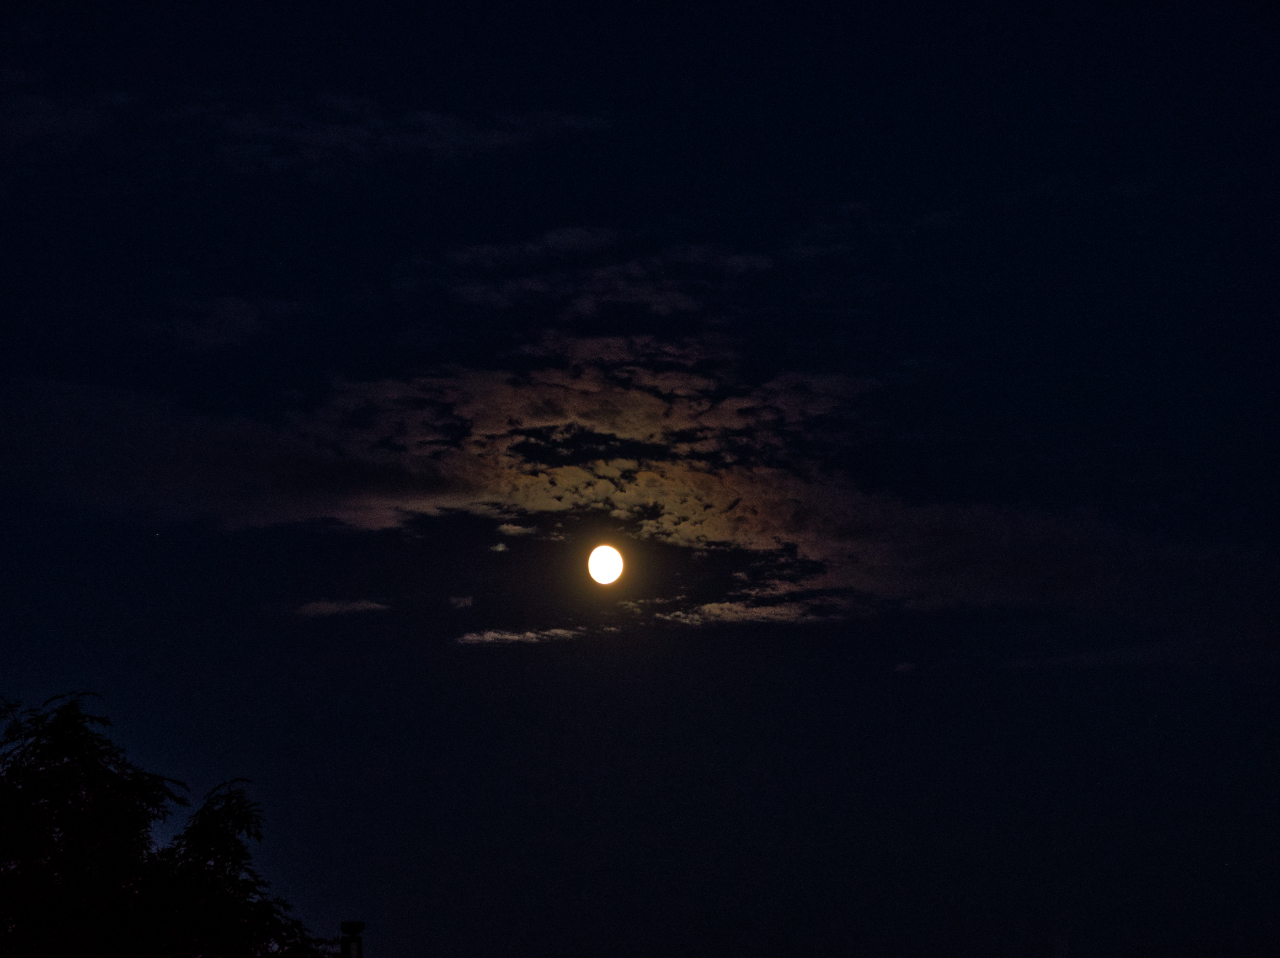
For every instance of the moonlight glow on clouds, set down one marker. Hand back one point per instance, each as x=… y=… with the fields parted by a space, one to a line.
x=665 y=440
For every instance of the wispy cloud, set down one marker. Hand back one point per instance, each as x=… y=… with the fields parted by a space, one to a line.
x=320 y=138
x=336 y=133
x=498 y=636
x=226 y=321
x=343 y=607
x=566 y=268
x=30 y=123
x=511 y=529
x=743 y=612
x=552 y=245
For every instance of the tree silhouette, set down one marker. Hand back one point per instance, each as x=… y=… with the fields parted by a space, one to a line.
x=80 y=874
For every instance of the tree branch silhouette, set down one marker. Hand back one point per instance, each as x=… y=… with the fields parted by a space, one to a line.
x=81 y=874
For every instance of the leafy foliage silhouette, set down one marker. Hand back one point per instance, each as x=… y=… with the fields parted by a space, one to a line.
x=81 y=875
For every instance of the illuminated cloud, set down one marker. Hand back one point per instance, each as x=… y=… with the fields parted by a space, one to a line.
x=660 y=438
x=665 y=439
x=497 y=636
x=740 y=612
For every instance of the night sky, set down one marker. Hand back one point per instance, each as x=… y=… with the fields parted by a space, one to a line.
x=920 y=363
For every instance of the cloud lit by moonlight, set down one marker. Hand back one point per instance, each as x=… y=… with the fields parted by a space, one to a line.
x=669 y=443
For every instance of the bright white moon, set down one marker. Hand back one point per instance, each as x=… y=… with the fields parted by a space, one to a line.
x=605 y=564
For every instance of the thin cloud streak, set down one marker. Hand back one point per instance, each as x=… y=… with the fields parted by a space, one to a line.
x=346 y=607
x=500 y=637
x=321 y=138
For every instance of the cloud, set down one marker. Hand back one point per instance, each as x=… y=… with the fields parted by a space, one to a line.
x=566 y=268
x=1110 y=658
x=320 y=138
x=666 y=440
x=333 y=134
x=34 y=124
x=498 y=636
x=584 y=293
x=313 y=609
x=742 y=612
x=131 y=453
x=661 y=439
x=551 y=245
x=227 y=321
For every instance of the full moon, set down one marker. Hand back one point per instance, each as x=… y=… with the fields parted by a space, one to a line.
x=605 y=564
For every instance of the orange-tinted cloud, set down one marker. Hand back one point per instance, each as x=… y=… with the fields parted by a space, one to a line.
x=661 y=438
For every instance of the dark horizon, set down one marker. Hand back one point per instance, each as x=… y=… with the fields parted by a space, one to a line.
x=919 y=362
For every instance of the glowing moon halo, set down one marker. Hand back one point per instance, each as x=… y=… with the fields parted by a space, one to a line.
x=605 y=564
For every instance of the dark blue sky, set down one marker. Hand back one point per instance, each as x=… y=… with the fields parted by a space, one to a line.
x=919 y=362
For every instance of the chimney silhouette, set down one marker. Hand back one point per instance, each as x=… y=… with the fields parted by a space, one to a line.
x=351 y=943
